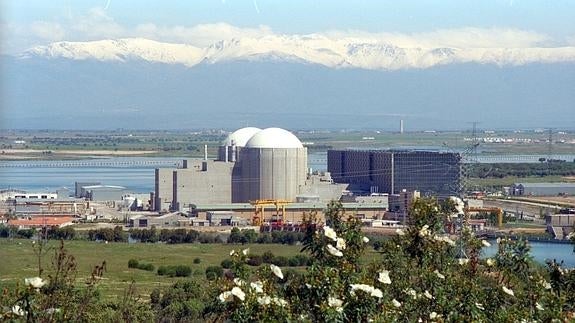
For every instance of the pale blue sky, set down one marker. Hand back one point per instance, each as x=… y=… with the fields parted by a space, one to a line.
x=296 y=16
x=555 y=19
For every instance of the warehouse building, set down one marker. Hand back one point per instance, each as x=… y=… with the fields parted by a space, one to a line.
x=543 y=189
x=432 y=173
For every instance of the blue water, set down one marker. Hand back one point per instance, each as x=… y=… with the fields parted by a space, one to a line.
x=543 y=251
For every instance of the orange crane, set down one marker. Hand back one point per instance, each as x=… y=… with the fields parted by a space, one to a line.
x=497 y=210
x=259 y=213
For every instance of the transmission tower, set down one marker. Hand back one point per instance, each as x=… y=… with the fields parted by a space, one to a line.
x=469 y=158
x=549 y=150
x=475 y=141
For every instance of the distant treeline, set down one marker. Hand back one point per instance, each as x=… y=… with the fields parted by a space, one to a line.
x=152 y=235
x=501 y=170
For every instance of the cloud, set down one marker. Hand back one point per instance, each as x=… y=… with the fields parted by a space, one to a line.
x=97 y=24
x=200 y=35
x=468 y=37
x=47 y=30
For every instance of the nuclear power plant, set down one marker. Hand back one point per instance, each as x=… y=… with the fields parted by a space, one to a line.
x=252 y=164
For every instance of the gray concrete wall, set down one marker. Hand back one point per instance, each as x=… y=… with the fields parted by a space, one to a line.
x=203 y=182
x=163 y=188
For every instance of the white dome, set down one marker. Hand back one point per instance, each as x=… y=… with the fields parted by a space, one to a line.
x=274 y=138
x=240 y=137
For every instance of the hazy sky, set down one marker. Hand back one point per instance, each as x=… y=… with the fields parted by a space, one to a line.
x=531 y=23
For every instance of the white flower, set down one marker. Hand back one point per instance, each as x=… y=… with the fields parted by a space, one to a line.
x=330 y=233
x=340 y=244
x=334 y=302
x=490 y=262
x=365 y=239
x=237 y=292
x=225 y=296
x=432 y=315
x=16 y=309
x=479 y=306
x=445 y=239
x=279 y=301
x=277 y=271
x=246 y=251
x=539 y=307
x=35 y=282
x=238 y=282
x=485 y=243
x=508 y=291
x=545 y=284
x=498 y=240
x=307 y=285
x=400 y=232
x=396 y=303
x=411 y=292
x=438 y=274
x=463 y=261
x=376 y=292
x=52 y=310
x=264 y=300
x=428 y=294
x=383 y=277
x=333 y=251
x=258 y=286
x=424 y=231
x=233 y=252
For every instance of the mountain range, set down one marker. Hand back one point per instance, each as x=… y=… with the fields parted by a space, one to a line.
x=298 y=82
x=309 y=49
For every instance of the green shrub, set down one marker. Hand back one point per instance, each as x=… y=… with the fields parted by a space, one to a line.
x=197 y=260
x=226 y=263
x=267 y=257
x=280 y=261
x=293 y=262
x=255 y=260
x=214 y=272
x=175 y=271
x=183 y=271
x=133 y=263
x=162 y=270
x=147 y=267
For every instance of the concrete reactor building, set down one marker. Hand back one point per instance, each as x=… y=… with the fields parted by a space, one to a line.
x=432 y=173
x=273 y=165
x=252 y=164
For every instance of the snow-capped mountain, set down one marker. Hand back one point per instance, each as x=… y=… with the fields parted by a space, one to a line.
x=312 y=49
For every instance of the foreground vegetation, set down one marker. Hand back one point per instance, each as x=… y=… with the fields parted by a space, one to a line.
x=421 y=274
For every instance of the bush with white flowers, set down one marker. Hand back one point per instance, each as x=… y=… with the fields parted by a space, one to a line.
x=421 y=274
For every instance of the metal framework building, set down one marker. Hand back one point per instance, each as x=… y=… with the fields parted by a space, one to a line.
x=392 y=171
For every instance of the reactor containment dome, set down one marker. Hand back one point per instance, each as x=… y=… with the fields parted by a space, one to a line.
x=240 y=137
x=274 y=138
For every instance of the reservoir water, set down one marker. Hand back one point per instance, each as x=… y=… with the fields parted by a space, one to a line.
x=543 y=251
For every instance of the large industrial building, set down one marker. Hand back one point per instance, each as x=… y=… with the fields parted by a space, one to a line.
x=252 y=164
x=543 y=189
x=391 y=171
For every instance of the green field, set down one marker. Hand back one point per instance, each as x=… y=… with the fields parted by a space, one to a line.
x=510 y=180
x=19 y=261
x=182 y=143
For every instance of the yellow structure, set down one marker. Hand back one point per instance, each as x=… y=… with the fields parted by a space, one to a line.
x=497 y=210
x=259 y=213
